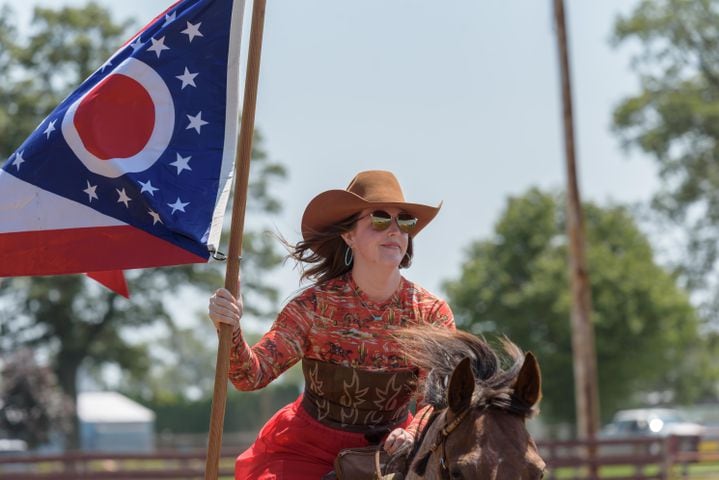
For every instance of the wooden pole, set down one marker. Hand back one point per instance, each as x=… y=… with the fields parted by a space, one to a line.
x=585 y=359
x=242 y=167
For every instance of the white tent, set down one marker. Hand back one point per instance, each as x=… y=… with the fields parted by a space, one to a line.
x=110 y=421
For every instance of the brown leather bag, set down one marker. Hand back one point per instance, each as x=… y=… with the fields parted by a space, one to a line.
x=363 y=463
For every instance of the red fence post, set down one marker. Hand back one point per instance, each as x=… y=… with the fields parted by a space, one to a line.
x=670 y=448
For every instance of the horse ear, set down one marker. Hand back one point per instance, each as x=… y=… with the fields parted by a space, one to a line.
x=528 y=387
x=461 y=387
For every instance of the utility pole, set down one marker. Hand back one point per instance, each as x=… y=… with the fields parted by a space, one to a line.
x=586 y=388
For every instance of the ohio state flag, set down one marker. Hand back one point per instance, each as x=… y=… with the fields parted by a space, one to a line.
x=133 y=168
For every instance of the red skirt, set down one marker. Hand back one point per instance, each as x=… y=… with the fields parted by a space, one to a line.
x=294 y=446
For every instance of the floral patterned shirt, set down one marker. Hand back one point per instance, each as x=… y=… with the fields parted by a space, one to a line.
x=336 y=322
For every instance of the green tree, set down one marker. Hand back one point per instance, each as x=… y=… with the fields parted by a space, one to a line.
x=30 y=403
x=73 y=321
x=516 y=284
x=675 y=119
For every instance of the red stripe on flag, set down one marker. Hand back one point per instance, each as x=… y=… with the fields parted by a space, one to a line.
x=113 y=279
x=79 y=250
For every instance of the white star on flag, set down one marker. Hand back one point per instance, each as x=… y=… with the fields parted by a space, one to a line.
x=91 y=193
x=178 y=205
x=193 y=31
x=19 y=160
x=196 y=122
x=155 y=217
x=158 y=46
x=137 y=44
x=187 y=78
x=50 y=128
x=123 y=197
x=147 y=187
x=182 y=163
x=169 y=18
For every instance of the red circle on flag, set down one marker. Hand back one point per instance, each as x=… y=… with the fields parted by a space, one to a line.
x=116 y=118
x=126 y=121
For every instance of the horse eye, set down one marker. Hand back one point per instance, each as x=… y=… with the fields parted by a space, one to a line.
x=455 y=473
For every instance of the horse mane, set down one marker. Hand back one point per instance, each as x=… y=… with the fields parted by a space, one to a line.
x=439 y=350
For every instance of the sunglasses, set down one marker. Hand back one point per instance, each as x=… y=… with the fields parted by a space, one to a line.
x=381 y=220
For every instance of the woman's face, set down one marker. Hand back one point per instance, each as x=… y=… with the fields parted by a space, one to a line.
x=377 y=248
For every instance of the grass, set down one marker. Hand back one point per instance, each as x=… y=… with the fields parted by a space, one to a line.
x=698 y=471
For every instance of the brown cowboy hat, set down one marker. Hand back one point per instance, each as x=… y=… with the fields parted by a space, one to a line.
x=370 y=189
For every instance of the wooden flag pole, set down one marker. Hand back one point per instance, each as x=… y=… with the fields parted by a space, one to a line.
x=242 y=170
x=584 y=351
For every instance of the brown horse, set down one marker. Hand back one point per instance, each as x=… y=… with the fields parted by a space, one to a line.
x=481 y=402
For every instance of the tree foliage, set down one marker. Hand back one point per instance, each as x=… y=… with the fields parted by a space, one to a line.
x=516 y=284
x=70 y=319
x=30 y=403
x=675 y=119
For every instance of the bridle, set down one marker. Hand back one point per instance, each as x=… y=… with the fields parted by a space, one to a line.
x=448 y=428
x=439 y=442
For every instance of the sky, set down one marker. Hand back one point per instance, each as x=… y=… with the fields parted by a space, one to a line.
x=459 y=98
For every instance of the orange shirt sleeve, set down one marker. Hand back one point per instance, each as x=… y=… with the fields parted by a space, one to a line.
x=252 y=368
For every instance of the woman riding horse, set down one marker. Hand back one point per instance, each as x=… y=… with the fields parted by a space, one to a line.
x=358 y=382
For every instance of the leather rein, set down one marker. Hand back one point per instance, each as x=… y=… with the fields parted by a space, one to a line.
x=438 y=443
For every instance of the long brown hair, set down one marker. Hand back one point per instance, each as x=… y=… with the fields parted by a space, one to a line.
x=324 y=252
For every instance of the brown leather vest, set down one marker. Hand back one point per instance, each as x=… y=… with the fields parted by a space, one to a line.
x=357 y=400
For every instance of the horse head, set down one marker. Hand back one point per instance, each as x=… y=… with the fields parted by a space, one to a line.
x=478 y=430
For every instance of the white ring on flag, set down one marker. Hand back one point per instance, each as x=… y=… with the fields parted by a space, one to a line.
x=161 y=132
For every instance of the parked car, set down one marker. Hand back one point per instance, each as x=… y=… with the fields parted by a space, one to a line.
x=654 y=423
x=644 y=422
